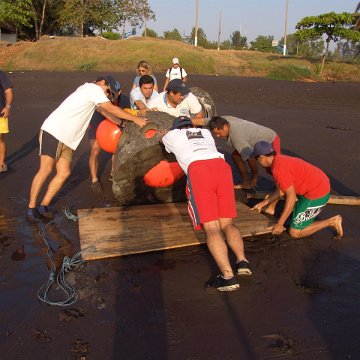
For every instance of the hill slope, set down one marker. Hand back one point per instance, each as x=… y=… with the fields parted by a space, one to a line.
x=98 y=54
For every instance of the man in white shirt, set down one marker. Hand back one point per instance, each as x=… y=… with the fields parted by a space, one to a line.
x=61 y=134
x=141 y=96
x=175 y=72
x=177 y=100
x=211 y=196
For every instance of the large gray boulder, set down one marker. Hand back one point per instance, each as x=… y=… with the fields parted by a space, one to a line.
x=136 y=154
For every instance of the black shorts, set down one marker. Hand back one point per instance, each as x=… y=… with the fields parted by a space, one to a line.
x=54 y=148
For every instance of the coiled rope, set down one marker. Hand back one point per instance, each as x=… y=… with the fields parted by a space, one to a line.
x=69 y=264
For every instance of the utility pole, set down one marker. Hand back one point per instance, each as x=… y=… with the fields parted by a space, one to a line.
x=196 y=22
x=219 y=31
x=285 y=31
x=145 y=25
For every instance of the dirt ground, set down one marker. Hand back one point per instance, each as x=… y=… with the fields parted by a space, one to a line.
x=301 y=302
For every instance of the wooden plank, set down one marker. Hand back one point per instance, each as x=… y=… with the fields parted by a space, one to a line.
x=143 y=228
x=334 y=199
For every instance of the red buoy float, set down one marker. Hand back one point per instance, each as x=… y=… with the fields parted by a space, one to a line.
x=107 y=135
x=163 y=174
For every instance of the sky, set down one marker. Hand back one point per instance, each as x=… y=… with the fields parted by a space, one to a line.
x=250 y=17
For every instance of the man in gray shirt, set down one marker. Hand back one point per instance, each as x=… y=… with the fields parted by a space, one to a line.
x=242 y=135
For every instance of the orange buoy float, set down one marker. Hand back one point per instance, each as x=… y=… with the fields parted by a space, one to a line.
x=163 y=174
x=107 y=135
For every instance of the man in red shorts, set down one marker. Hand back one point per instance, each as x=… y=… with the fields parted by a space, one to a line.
x=306 y=189
x=211 y=196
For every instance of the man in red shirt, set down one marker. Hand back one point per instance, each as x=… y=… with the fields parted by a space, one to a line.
x=306 y=189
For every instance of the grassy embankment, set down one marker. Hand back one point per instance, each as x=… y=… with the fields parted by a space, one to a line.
x=95 y=54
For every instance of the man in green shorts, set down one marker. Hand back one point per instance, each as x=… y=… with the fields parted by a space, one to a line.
x=306 y=189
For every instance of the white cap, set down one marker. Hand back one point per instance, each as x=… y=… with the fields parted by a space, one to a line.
x=175 y=61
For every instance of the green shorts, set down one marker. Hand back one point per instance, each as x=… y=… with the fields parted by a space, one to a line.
x=306 y=210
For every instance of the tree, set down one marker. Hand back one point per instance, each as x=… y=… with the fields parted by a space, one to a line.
x=45 y=14
x=333 y=26
x=201 y=37
x=172 y=35
x=17 y=13
x=134 y=12
x=238 y=41
x=263 y=43
x=311 y=48
x=345 y=51
x=82 y=14
x=150 y=33
x=226 y=44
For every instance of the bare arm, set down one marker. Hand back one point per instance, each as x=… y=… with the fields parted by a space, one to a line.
x=8 y=101
x=273 y=197
x=166 y=83
x=253 y=165
x=198 y=121
x=161 y=134
x=140 y=105
x=199 y=115
x=290 y=200
x=111 y=109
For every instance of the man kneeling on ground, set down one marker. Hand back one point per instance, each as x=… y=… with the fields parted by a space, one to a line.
x=211 y=200
x=306 y=189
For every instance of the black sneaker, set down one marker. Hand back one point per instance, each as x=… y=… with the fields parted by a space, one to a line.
x=243 y=268
x=33 y=215
x=222 y=284
x=96 y=187
x=45 y=212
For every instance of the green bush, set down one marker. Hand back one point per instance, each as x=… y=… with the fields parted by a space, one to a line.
x=110 y=35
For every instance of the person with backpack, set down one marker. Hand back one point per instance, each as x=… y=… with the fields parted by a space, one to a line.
x=175 y=72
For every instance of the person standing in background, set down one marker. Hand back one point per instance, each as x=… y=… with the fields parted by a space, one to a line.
x=175 y=72
x=6 y=98
x=143 y=68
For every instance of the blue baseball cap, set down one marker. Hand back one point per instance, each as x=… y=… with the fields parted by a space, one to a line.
x=177 y=85
x=112 y=83
x=262 y=148
x=180 y=122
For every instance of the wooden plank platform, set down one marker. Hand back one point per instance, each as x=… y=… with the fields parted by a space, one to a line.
x=144 y=228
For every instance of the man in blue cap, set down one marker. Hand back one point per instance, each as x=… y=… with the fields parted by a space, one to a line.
x=306 y=189
x=211 y=200
x=61 y=134
x=177 y=100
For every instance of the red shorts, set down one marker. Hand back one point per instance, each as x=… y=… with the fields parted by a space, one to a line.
x=210 y=191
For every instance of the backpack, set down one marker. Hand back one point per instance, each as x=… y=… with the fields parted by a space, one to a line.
x=181 y=69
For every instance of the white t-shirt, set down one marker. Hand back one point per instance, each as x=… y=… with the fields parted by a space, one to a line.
x=189 y=145
x=175 y=73
x=190 y=105
x=136 y=95
x=68 y=123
